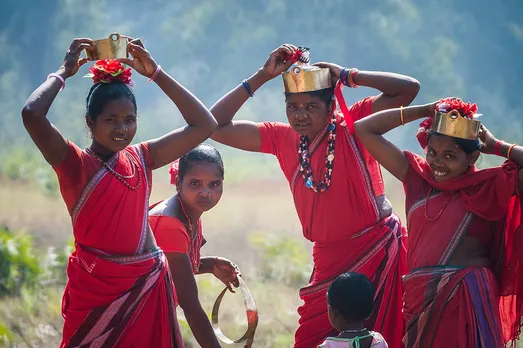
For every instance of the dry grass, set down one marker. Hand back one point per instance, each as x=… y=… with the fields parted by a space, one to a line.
x=248 y=208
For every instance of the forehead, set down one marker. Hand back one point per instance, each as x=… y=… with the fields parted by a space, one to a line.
x=120 y=106
x=442 y=142
x=302 y=98
x=204 y=169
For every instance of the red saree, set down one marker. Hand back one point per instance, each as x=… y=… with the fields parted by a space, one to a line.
x=446 y=306
x=351 y=224
x=117 y=293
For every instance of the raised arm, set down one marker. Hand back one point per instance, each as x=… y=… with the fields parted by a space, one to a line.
x=244 y=135
x=396 y=90
x=370 y=131
x=200 y=122
x=509 y=151
x=187 y=293
x=45 y=135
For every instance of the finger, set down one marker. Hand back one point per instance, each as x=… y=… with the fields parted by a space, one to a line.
x=126 y=61
x=79 y=41
x=283 y=51
x=229 y=286
x=82 y=61
x=292 y=47
x=137 y=42
x=136 y=49
x=81 y=47
x=321 y=65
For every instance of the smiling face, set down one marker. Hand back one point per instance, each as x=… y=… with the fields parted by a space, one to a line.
x=307 y=114
x=115 y=127
x=447 y=159
x=201 y=186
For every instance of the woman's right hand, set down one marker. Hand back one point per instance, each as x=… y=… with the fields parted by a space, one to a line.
x=72 y=61
x=278 y=61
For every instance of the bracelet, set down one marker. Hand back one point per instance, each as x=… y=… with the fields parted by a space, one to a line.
x=352 y=74
x=401 y=116
x=59 y=78
x=497 y=148
x=156 y=72
x=344 y=76
x=247 y=88
x=510 y=149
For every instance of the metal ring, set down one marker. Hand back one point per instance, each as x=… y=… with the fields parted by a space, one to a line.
x=250 y=309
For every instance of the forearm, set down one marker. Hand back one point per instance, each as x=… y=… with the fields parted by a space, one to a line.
x=192 y=109
x=207 y=264
x=201 y=327
x=227 y=106
x=516 y=153
x=39 y=102
x=390 y=84
x=386 y=120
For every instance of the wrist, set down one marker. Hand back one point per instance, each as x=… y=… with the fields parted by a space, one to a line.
x=260 y=77
x=62 y=71
x=429 y=110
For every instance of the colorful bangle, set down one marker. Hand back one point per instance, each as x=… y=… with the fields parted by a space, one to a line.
x=344 y=76
x=509 y=150
x=352 y=74
x=497 y=148
x=401 y=116
x=59 y=78
x=247 y=88
x=156 y=72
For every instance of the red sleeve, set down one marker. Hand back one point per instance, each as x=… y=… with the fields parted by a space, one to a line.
x=415 y=187
x=145 y=150
x=72 y=173
x=361 y=109
x=170 y=234
x=272 y=135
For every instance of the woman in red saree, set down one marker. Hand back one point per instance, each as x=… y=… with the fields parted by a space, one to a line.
x=177 y=227
x=463 y=287
x=336 y=184
x=119 y=289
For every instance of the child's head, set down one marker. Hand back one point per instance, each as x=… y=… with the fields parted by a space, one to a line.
x=198 y=177
x=351 y=300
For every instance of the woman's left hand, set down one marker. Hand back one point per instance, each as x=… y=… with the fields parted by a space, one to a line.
x=227 y=271
x=335 y=70
x=142 y=61
x=487 y=140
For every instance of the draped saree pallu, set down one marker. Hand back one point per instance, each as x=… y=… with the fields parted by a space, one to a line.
x=469 y=307
x=117 y=294
x=351 y=224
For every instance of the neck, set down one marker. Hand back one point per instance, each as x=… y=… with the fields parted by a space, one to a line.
x=352 y=330
x=100 y=150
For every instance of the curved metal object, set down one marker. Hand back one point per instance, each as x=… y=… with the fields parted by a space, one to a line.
x=115 y=46
x=455 y=125
x=252 y=317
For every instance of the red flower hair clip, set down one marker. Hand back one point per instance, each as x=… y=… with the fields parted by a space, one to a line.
x=109 y=70
x=174 y=168
x=467 y=110
x=300 y=54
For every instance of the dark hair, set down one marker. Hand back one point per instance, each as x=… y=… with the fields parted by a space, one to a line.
x=469 y=146
x=201 y=153
x=352 y=295
x=325 y=94
x=101 y=94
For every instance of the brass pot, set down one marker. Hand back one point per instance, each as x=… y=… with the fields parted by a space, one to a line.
x=115 y=46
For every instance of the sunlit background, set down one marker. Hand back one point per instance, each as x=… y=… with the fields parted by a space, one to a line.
x=470 y=49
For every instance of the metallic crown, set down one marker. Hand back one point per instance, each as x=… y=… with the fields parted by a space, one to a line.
x=453 y=124
x=303 y=77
